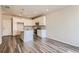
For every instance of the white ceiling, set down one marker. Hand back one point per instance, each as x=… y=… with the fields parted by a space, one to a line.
x=30 y=11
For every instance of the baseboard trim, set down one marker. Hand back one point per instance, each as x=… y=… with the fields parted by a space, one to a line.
x=41 y=37
x=63 y=42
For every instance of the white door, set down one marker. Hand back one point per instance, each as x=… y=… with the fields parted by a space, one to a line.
x=6 y=27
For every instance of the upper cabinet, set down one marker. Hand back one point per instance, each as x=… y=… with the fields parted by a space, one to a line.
x=41 y=20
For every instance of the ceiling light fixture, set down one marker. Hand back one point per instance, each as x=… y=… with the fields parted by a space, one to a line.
x=21 y=13
x=47 y=9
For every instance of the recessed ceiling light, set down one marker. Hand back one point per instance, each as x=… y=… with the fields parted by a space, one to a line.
x=47 y=9
x=21 y=13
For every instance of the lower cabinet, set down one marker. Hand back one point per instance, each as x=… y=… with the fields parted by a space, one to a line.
x=28 y=35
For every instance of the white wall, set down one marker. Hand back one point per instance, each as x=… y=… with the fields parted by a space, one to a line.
x=0 y=26
x=6 y=25
x=63 y=25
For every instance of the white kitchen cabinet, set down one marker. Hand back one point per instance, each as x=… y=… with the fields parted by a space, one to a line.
x=28 y=35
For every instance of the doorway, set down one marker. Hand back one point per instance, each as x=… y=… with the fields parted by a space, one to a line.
x=20 y=26
x=20 y=29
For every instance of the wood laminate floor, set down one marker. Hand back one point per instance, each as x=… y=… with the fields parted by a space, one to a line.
x=14 y=45
x=49 y=46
